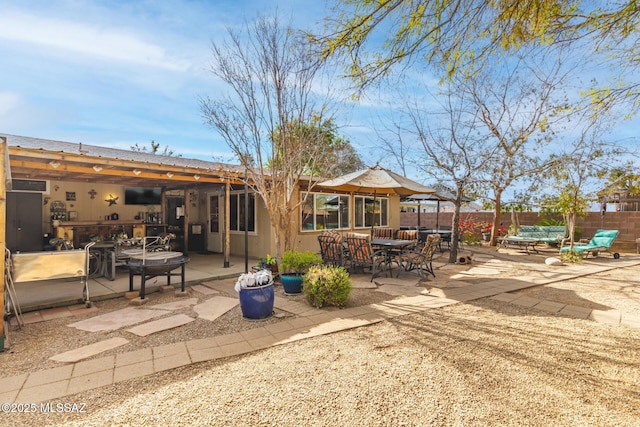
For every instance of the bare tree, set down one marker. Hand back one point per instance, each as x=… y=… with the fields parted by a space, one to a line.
x=519 y=105
x=576 y=180
x=154 y=148
x=266 y=117
x=453 y=151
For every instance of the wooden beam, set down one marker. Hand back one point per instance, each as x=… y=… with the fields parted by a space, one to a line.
x=144 y=174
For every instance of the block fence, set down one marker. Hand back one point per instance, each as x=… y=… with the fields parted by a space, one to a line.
x=628 y=223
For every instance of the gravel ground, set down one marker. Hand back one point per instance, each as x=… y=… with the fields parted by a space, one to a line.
x=483 y=363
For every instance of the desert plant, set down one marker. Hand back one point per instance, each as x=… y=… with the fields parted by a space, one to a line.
x=327 y=285
x=299 y=262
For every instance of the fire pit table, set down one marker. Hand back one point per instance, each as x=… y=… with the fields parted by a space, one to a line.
x=152 y=264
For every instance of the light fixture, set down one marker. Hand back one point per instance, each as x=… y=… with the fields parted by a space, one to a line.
x=169 y=174
x=97 y=168
x=137 y=172
x=196 y=177
x=54 y=164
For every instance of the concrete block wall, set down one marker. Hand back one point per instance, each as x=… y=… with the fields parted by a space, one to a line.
x=628 y=223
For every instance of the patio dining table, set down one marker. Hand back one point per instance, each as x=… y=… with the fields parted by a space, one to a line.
x=390 y=247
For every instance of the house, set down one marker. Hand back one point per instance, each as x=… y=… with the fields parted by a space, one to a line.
x=79 y=191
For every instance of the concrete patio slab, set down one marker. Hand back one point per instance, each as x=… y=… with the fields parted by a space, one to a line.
x=117 y=319
x=89 y=350
x=161 y=325
x=215 y=307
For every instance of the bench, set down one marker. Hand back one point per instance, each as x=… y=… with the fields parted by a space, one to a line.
x=530 y=235
x=543 y=233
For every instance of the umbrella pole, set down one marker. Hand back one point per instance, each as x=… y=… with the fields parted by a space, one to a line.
x=437 y=214
x=373 y=217
x=418 y=214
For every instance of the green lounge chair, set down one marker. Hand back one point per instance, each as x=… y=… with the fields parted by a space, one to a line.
x=600 y=242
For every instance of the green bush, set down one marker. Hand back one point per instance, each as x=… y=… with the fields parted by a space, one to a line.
x=327 y=285
x=299 y=262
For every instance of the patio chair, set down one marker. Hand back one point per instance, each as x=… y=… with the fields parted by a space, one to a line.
x=421 y=261
x=408 y=235
x=362 y=256
x=383 y=233
x=600 y=242
x=332 y=248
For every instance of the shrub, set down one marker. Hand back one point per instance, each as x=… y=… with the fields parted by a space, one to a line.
x=299 y=262
x=327 y=285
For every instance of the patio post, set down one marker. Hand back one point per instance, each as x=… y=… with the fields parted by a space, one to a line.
x=4 y=159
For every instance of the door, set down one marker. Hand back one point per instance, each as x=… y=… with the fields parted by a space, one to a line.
x=24 y=222
x=215 y=223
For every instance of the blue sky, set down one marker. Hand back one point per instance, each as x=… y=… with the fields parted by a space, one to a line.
x=116 y=73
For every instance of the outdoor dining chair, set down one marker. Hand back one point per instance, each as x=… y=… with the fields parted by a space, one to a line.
x=383 y=233
x=362 y=256
x=408 y=235
x=332 y=248
x=421 y=261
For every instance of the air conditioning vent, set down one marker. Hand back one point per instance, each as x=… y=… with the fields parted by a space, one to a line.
x=30 y=186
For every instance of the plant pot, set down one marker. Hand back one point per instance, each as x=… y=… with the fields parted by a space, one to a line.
x=292 y=283
x=486 y=236
x=257 y=303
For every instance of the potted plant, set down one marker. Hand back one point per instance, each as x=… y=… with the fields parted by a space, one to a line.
x=294 y=265
x=255 y=291
x=269 y=263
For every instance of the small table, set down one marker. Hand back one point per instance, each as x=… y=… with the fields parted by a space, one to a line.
x=526 y=242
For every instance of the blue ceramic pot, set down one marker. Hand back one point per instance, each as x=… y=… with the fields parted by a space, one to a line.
x=257 y=303
x=292 y=283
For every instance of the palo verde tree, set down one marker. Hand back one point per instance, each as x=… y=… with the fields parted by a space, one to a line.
x=454 y=34
x=271 y=116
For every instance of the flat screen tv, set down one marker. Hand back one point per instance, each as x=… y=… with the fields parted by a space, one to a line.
x=142 y=195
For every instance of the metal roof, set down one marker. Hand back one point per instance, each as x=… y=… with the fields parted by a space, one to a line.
x=36 y=158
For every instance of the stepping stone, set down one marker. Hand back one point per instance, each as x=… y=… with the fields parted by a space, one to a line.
x=205 y=290
x=117 y=319
x=88 y=350
x=161 y=325
x=215 y=307
x=175 y=305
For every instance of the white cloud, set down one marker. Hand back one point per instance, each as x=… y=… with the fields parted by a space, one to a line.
x=101 y=41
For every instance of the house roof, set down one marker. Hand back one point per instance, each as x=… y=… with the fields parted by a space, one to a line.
x=36 y=158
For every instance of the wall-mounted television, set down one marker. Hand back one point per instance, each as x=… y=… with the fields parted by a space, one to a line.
x=142 y=195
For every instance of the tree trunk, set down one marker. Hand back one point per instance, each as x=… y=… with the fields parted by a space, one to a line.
x=496 y=219
x=455 y=229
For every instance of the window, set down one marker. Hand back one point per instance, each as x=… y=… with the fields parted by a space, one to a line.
x=325 y=211
x=371 y=214
x=236 y=212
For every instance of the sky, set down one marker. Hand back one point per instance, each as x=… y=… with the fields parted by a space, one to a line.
x=118 y=73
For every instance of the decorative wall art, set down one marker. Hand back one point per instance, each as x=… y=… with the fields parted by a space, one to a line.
x=71 y=196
